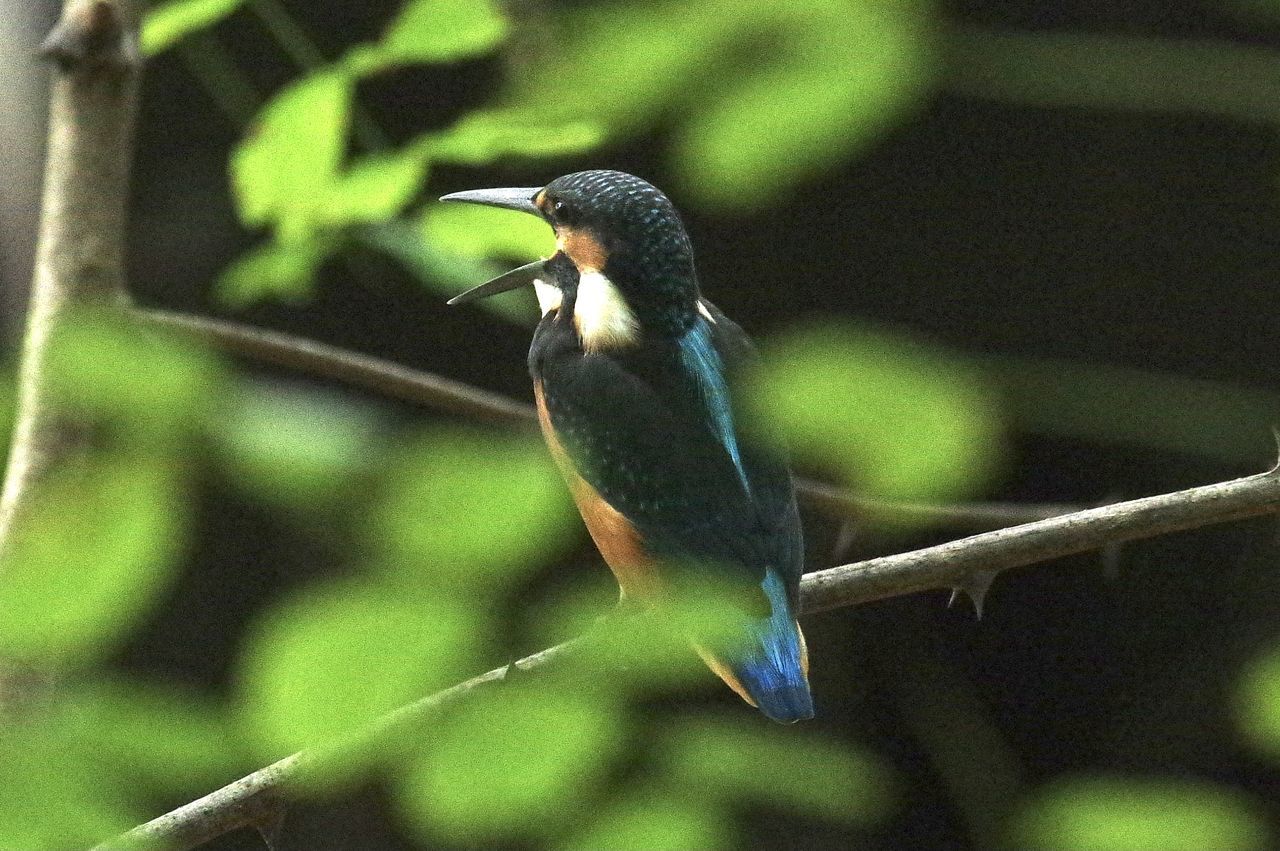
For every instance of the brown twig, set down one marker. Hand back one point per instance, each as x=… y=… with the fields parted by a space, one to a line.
x=396 y=381
x=942 y=566
x=80 y=252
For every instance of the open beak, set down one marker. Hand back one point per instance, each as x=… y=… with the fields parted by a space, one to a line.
x=516 y=278
x=508 y=199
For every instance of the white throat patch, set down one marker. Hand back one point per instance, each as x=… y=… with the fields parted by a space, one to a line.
x=549 y=296
x=601 y=314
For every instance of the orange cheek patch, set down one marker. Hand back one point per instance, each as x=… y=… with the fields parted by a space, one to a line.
x=583 y=249
x=613 y=534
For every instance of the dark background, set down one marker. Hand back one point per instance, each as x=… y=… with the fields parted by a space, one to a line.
x=995 y=228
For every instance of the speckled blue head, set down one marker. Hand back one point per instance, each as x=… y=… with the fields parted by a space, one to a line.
x=619 y=226
x=627 y=229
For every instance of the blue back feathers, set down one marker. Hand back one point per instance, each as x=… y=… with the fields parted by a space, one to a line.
x=701 y=359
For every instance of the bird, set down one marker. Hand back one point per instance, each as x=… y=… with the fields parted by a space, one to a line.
x=631 y=372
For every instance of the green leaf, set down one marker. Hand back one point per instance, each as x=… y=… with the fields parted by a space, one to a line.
x=511 y=761
x=89 y=558
x=475 y=231
x=648 y=821
x=282 y=171
x=171 y=739
x=105 y=365
x=443 y=31
x=895 y=419
x=1258 y=703
x=1136 y=814
x=741 y=761
x=624 y=64
x=295 y=447
x=338 y=656
x=469 y=510
x=839 y=76
x=166 y=24
x=273 y=270
x=445 y=272
x=374 y=188
x=653 y=652
x=485 y=136
x=55 y=795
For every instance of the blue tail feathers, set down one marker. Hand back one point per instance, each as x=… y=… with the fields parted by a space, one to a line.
x=773 y=671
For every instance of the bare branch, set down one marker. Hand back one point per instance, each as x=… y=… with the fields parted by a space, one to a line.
x=942 y=566
x=396 y=381
x=80 y=254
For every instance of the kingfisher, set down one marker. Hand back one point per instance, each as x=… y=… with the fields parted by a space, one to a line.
x=631 y=372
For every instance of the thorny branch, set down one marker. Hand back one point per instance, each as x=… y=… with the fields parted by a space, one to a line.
x=256 y=796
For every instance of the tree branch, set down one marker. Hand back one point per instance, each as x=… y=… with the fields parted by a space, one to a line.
x=80 y=253
x=444 y=394
x=251 y=798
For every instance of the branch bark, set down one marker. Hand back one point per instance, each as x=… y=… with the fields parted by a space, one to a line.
x=257 y=795
x=80 y=253
x=454 y=397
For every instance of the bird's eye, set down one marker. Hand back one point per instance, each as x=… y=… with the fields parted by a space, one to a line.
x=558 y=207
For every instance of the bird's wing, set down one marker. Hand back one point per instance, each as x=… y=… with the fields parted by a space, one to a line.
x=654 y=434
x=773 y=490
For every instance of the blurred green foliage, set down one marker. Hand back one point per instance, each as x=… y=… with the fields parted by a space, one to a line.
x=94 y=551
x=888 y=415
x=761 y=95
x=1138 y=814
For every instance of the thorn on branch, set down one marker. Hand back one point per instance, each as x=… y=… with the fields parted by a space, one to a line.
x=974 y=586
x=848 y=533
x=270 y=825
x=91 y=35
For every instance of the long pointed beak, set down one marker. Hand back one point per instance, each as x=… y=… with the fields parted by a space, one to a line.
x=516 y=278
x=509 y=199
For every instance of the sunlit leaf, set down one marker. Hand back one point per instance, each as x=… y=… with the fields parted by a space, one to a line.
x=645 y=822
x=105 y=365
x=374 y=188
x=469 y=509
x=284 y=271
x=1258 y=702
x=89 y=558
x=836 y=76
x=510 y=761
x=443 y=30
x=281 y=172
x=446 y=272
x=735 y=760
x=167 y=23
x=653 y=651
x=295 y=447
x=168 y=738
x=1138 y=814
x=478 y=231
x=337 y=656
x=485 y=136
x=629 y=61
x=55 y=795
x=894 y=417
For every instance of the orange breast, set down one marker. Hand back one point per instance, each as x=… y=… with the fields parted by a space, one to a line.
x=614 y=535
